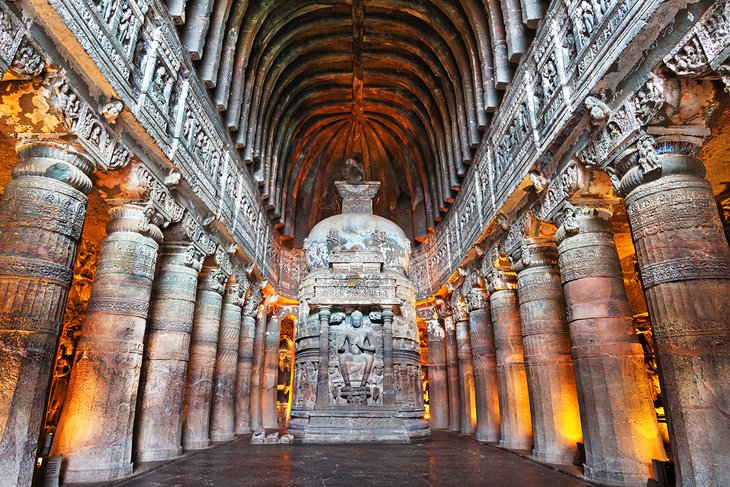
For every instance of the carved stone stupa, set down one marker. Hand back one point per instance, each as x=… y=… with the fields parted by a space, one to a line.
x=357 y=375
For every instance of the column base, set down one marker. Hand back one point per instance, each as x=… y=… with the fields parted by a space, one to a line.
x=244 y=431
x=221 y=438
x=556 y=458
x=158 y=455
x=71 y=476
x=515 y=445
x=484 y=438
x=197 y=445
x=623 y=479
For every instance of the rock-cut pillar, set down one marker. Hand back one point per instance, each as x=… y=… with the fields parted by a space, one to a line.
x=158 y=434
x=621 y=433
x=438 y=388
x=452 y=369
x=684 y=261
x=203 y=348
x=95 y=429
x=42 y=214
x=270 y=372
x=257 y=369
x=226 y=363
x=243 y=374
x=515 y=426
x=485 y=366
x=554 y=408
x=466 y=377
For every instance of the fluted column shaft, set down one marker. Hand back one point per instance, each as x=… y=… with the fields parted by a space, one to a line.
x=515 y=426
x=484 y=359
x=95 y=430
x=257 y=369
x=42 y=213
x=203 y=348
x=270 y=372
x=438 y=388
x=243 y=374
x=158 y=434
x=619 y=422
x=226 y=362
x=685 y=268
x=466 y=378
x=553 y=398
x=452 y=369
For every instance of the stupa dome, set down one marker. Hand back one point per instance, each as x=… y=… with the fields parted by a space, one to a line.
x=357 y=229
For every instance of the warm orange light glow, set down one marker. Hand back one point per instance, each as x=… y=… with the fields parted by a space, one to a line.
x=427 y=417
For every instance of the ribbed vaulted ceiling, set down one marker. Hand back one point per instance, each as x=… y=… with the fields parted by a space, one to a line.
x=407 y=86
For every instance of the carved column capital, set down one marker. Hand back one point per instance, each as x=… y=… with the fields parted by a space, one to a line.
x=54 y=159
x=575 y=186
x=536 y=252
x=213 y=279
x=477 y=298
x=641 y=162
x=137 y=218
x=575 y=220
x=427 y=312
x=253 y=301
x=235 y=295
x=497 y=271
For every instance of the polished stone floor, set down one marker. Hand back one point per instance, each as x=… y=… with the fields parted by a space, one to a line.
x=448 y=460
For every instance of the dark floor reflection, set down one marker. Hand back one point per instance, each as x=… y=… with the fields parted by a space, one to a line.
x=447 y=460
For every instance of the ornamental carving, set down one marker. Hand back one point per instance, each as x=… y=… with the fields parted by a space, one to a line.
x=699 y=50
x=79 y=118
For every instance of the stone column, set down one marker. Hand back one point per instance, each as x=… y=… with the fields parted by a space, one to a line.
x=515 y=425
x=257 y=369
x=245 y=362
x=162 y=382
x=685 y=269
x=226 y=363
x=485 y=366
x=438 y=388
x=389 y=395
x=270 y=371
x=617 y=411
x=95 y=430
x=42 y=214
x=553 y=398
x=203 y=347
x=466 y=374
x=452 y=369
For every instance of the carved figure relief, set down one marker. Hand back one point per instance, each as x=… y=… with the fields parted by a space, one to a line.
x=355 y=344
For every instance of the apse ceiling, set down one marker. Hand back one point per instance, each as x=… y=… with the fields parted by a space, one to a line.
x=405 y=86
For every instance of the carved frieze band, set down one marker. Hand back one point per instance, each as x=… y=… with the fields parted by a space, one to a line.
x=548 y=91
x=686 y=269
x=136 y=48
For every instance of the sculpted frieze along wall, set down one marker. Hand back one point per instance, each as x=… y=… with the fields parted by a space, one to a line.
x=566 y=60
x=83 y=120
x=704 y=48
x=136 y=47
x=12 y=32
x=78 y=115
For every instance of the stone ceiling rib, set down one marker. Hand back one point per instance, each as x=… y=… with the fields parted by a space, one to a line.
x=408 y=85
